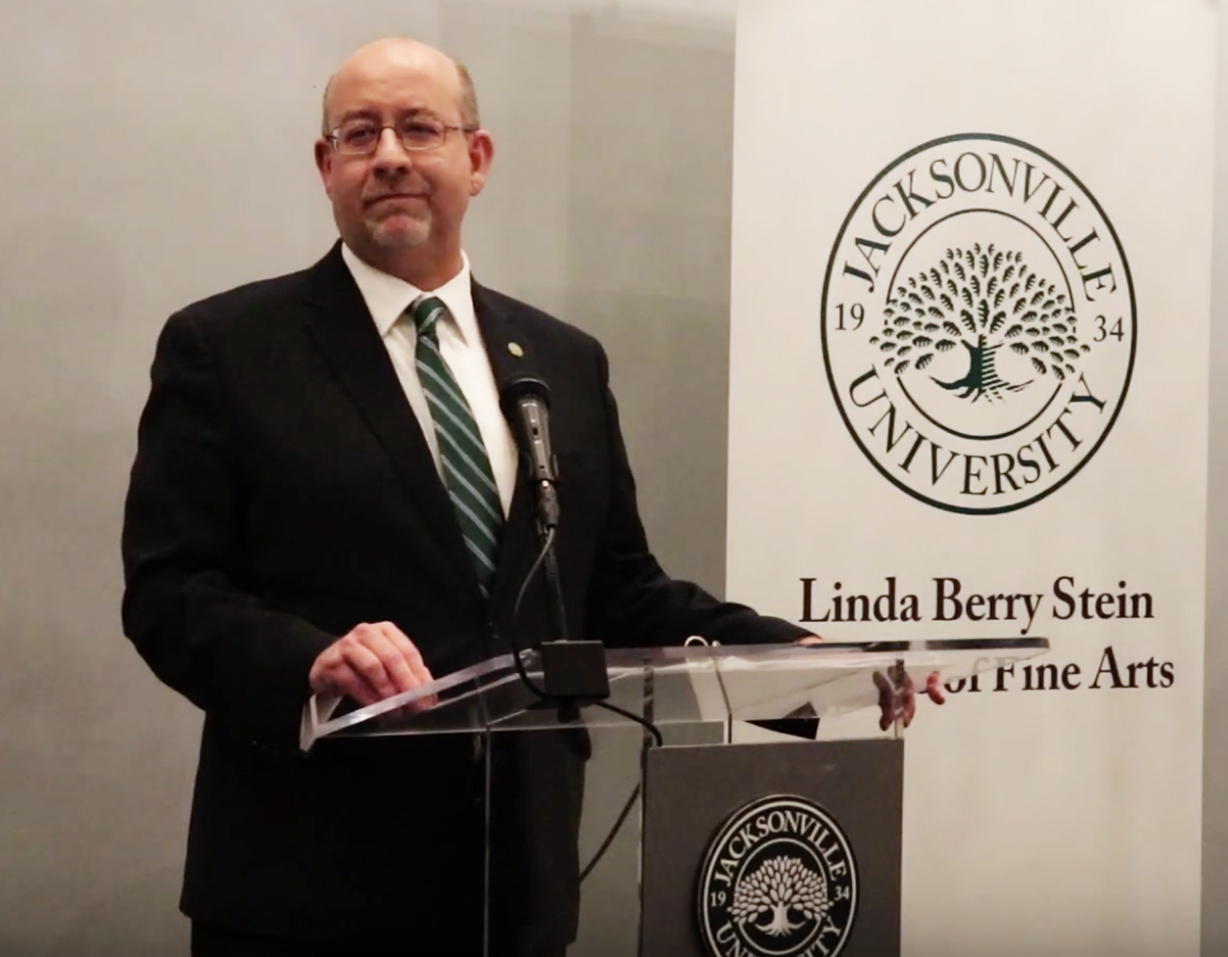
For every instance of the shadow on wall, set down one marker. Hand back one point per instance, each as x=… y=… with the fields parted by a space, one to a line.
x=649 y=254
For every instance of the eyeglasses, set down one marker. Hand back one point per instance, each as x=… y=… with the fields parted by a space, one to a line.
x=416 y=133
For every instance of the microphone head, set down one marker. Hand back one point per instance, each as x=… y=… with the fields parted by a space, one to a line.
x=522 y=387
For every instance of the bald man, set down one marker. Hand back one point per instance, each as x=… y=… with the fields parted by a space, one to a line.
x=326 y=499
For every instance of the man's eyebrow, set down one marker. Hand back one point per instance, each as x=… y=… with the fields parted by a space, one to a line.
x=357 y=114
x=367 y=113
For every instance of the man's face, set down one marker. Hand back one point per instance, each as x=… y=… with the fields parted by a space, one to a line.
x=396 y=199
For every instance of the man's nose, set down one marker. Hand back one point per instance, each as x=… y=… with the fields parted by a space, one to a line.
x=390 y=156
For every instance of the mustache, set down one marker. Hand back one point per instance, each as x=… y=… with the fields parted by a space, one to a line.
x=375 y=197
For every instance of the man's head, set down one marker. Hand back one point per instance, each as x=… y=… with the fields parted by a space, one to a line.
x=401 y=209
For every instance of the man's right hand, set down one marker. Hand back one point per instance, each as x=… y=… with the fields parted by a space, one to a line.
x=371 y=663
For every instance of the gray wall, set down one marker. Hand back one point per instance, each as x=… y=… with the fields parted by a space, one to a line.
x=157 y=152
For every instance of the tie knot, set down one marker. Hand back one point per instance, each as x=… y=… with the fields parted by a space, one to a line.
x=426 y=312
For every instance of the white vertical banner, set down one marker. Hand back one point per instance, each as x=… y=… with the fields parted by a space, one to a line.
x=971 y=293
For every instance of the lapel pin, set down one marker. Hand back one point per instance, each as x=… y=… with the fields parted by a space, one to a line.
x=514 y=349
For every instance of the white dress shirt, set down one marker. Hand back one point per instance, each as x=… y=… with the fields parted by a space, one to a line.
x=462 y=348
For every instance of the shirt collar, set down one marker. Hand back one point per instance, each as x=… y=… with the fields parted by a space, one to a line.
x=387 y=297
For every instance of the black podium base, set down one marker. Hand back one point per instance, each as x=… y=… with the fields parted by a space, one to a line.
x=786 y=849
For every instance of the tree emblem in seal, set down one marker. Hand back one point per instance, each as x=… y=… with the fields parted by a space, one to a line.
x=780 y=887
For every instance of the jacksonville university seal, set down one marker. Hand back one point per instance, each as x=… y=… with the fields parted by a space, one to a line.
x=978 y=324
x=779 y=880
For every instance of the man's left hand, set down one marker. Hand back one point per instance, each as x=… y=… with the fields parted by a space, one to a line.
x=897 y=700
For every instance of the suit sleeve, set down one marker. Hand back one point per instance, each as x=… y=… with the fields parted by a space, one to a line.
x=182 y=547
x=632 y=601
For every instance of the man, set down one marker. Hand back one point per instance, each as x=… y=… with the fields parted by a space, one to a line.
x=325 y=499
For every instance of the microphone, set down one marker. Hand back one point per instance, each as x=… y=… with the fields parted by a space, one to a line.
x=574 y=672
x=526 y=401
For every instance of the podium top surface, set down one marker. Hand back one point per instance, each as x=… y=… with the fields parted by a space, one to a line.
x=695 y=683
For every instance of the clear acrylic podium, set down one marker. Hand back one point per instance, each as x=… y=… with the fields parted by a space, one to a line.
x=737 y=723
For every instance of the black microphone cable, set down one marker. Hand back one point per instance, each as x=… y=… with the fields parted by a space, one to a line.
x=532 y=685
x=547 y=551
x=540 y=693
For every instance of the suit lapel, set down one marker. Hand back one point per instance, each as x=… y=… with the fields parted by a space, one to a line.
x=512 y=352
x=343 y=330
x=509 y=346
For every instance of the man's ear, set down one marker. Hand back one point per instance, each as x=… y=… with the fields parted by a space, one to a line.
x=481 y=156
x=324 y=160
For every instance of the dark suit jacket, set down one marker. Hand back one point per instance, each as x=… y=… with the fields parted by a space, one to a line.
x=282 y=493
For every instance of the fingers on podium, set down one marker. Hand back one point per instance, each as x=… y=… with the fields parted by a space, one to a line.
x=370 y=663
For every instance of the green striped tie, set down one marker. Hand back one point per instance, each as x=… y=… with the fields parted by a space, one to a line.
x=466 y=466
